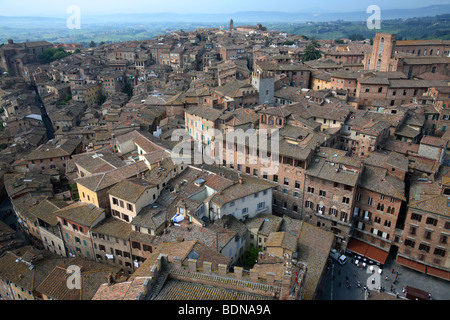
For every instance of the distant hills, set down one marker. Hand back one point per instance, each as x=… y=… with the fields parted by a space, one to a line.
x=238 y=17
x=431 y=22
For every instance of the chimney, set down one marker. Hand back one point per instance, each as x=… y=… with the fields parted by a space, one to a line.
x=222 y=270
x=270 y=278
x=111 y=279
x=238 y=272
x=254 y=275
x=192 y=265
x=207 y=267
x=178 y=262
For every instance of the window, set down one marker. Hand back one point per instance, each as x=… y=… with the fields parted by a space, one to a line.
x=427 y=234
x=410 y=243
x=431 y=221
x=286 y=181
x=296 y=194
x=297 y=184
x=416 y=217
x=322 y=193
x=261 y=205
x=308 y=204
x=310 y=190
x=320 y=208
x=439 y=252
x=412 y=230
x=333 y=212
x=369 y=201
x=129 y=207
x=345 y=200
x=135 y=245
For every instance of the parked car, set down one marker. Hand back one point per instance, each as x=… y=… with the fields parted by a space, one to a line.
x=336 y=255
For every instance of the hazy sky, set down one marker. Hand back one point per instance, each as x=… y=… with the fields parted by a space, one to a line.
x=59 y=7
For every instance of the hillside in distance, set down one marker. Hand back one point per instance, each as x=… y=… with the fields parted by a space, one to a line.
x=423 y=23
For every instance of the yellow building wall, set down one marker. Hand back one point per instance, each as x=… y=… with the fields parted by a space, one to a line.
x=87 y=195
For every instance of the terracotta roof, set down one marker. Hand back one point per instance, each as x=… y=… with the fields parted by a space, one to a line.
x=314 y=246
x=98 y=161
x=433 y=141
x=113 y=227
x=19 y=272
x=129 y=290
x=107 y=179
x=80 y=212
x=181 y=290
x=131 y=189
x=93 y=275
x=377 y=180
x=45 y=210
x=282 y=239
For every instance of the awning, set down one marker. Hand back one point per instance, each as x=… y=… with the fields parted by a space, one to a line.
x=438 y=273
x=377 y=254
x=416 y=294
x=357 y=246
x=367 y=251
x=411 y=264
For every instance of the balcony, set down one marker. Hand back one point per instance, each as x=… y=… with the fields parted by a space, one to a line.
x=361 y=218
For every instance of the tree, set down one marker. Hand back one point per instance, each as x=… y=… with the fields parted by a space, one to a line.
x=128 y=89
x=312 y=51
x=101 y=43
x=250 y=256
x=356 y=37
x=92 y=44
x=101 y=100
x=51 y=54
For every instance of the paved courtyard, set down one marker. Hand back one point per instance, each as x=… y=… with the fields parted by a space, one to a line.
x=342 y=281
